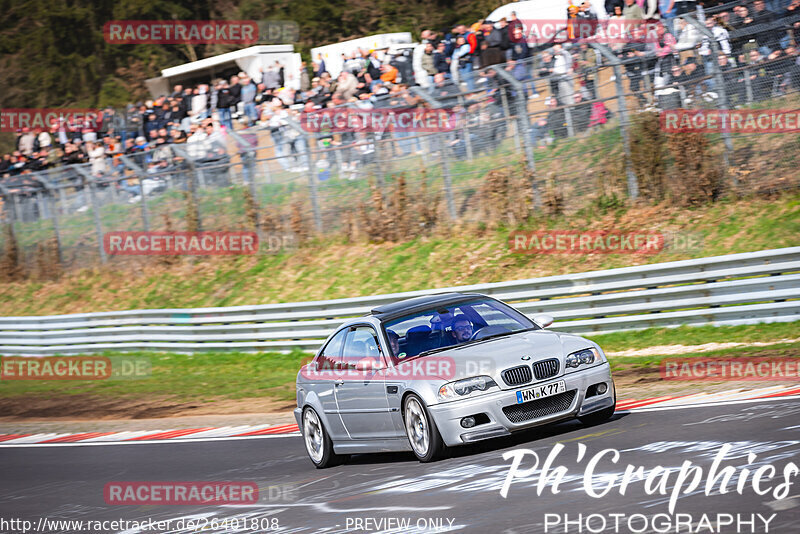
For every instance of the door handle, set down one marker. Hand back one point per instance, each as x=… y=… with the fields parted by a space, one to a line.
x=338 y=382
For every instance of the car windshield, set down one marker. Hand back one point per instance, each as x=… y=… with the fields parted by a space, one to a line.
x=451 y=325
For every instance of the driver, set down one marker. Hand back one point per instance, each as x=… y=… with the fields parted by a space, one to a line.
x=462 y=329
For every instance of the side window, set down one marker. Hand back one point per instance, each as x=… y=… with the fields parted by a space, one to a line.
x=361 y=344
x=331 y=356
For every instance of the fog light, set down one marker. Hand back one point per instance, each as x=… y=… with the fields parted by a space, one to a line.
x=602 y=388
x=468 y=422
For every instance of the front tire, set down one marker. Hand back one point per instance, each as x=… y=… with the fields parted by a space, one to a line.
x=423 y=436
x=318 y=443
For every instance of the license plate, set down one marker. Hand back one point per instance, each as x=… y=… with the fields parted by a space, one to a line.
x=540 y=392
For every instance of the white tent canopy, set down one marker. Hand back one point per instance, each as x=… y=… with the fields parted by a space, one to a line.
x=250 y=60
x=542 y=10
x=332 y=53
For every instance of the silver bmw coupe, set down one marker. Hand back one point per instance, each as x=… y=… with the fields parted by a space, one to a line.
x=445 y=370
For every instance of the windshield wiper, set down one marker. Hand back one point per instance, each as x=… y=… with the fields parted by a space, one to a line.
x=437 y=349
x=494 y=336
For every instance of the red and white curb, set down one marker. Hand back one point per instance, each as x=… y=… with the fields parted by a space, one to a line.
x=149 y=436
x=261 y=431
x=709 y=398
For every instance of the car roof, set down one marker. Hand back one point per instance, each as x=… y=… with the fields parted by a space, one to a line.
x=402 y=307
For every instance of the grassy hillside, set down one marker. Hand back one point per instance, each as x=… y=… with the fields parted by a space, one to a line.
x=462 y=255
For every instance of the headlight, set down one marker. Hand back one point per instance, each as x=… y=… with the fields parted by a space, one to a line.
x=582 y=357
x=462 y=388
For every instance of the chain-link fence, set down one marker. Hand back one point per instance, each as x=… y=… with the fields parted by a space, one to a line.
x=530 y=136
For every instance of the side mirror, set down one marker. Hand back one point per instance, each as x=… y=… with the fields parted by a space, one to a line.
x=543 y=320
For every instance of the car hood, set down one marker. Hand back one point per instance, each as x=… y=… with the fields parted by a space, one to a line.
x=494 y=356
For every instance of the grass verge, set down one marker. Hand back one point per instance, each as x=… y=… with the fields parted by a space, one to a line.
x=206 y=378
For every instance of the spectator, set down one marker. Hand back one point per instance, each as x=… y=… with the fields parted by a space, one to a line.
x=224 y=100
x=587 y=63
x=462 y=62
x=721 y=36
x=684 y=6
x=389 y=73
x=305 y=82
x=97 y=158
x=513 y=24
x=45 y=141
x=556 y=119
x=420 y=51
x=581 y=114
x=26 y=142
x=428 y=64
x=632 y=11
x=440 y=59
x=248 y=96
x=562 y=71
x=497 y=43
x=633 y=56
x=667 y=11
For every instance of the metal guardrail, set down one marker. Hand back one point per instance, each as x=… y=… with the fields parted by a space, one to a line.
x=749 y=288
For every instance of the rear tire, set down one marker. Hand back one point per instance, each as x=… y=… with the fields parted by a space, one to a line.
x=423 y=436
x=318 y=443
x=599 y=416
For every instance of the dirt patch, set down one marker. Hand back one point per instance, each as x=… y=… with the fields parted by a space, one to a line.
x=646 y=382
x=95 y=407
x=664 y=350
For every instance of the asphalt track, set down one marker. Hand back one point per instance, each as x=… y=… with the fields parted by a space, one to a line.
x=459 y=494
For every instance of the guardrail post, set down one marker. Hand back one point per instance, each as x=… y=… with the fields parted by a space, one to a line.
x=465 y=131
x=723 y=101
x=568 y=118
x=88 y=182
x=191 y=184
x=312 y=178
x=633 y=183
x=247 y=157
x=524 y=129
x=514 y=124
x=448 y=186
x=15 y=205
x=50 y=194
x=141 y=175
x=748 y=84
x=432 y=139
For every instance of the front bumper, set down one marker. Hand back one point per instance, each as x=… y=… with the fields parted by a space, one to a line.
x=298 y=416
x=448 y=415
